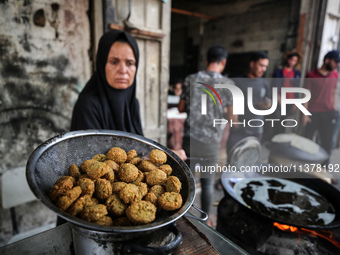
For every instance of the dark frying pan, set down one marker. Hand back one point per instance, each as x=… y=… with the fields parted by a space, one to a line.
x=51 y=160
x=330 y=193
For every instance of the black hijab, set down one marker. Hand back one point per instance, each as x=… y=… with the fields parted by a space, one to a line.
x=100 y=106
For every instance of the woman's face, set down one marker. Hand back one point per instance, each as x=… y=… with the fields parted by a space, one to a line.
x=120 y=67
x=292 y=61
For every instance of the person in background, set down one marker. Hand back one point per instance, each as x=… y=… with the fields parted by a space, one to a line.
x=337 y=126
x=285 y=77
x=201 y=139
x=176 y=88
x=322 y=84
x=261 y=98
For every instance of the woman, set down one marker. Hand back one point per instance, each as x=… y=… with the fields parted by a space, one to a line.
x=285 y=77
x=108 y=100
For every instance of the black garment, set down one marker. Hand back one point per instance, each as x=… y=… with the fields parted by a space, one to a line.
x=324 y=124
x=277 y=82
x=99 y=106
x=261 y=90
x=209 y=155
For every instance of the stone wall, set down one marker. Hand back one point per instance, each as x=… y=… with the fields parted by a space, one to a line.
x=44 y=63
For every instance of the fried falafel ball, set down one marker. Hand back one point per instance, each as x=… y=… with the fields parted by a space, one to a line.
x=156 y=177
x=135 y=161
x=99 y=157
x=157 y=157
x=121 y=221
x=130 y=155
x=74 y=171
x=141 y=212
x=130 y=193
x=151 y=197
x=78 y=206
x=158 y=190
x=128 y=172
x=103 y=189
x=97 y=170
x=94 y=212
x=61 y=186
x=86 y=185
x=86 y=164
x=117 y=186
x=94 y=200
x=70 y=196
x=84 y=176
x=117 y=178
x=147 y=166
x=115 y=205
x=140 y=178
x=170 y=201
x=110 y=176
x=146 y=174
x=173 y=184
x=113 y=165
x=166 y=169
x=117 y=154
x=105 y=221
x=143 y=189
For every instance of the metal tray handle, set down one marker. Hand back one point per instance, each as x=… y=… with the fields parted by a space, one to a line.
x=206 y=216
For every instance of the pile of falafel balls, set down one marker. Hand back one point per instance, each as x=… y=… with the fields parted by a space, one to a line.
x=119 y=188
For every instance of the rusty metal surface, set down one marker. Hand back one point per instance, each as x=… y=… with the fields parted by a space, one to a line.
x=194 y=241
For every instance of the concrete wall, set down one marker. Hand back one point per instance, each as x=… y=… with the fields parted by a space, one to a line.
x=262 y=29
x=331 y=29
x=44 y=63
x=269 y=26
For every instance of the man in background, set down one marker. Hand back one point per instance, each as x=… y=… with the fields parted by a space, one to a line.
x=322 y=83
x=201 y=139
x=261 y=99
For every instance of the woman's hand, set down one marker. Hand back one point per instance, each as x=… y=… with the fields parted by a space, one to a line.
x=181 y=154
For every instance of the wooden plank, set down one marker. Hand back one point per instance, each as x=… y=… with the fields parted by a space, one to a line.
x=152 y=84
x=97 y=26
x=138 y=13
x=194 y=14
x=154 y=134
x=301 y=33
x=153 y=14
x=143 y=34
x=140 y=90
x=164 y=71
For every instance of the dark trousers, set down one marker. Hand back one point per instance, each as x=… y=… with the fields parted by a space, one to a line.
x=324 y=124
x=209 y=156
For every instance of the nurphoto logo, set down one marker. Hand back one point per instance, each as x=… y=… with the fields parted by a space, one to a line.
x=239 y=105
